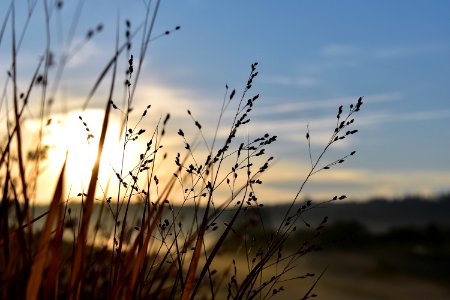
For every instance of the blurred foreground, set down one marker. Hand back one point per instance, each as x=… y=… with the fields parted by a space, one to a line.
x=375 y=250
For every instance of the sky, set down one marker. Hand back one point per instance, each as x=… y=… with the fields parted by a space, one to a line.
x=313 y=56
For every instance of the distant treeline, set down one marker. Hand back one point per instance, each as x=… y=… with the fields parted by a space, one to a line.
x=381 y=214
x=376 y=215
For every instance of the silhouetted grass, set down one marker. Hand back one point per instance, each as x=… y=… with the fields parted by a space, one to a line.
x=156 y=252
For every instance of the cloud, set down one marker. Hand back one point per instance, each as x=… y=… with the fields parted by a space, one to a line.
x=340 y=51
x=391 y=52
x=320 y=104
x=87 y=52
x=324 y=65
x=290 y=80
x=394 y=183
x=164 y=99
x=290 y=122
x=400 y=117
x=285 y=177
x=336 y=50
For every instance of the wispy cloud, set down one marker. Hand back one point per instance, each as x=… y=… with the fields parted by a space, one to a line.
x=319 y=104
x=323 y=65
x=398 y=117
x=359 y=183
x=290 y=80
x=340 y=56
x=290 y=121
x=176 y=101
x=87 y=52
x=337 y=50
x=391 y=52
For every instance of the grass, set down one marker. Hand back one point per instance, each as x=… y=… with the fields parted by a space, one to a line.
x=155 y=252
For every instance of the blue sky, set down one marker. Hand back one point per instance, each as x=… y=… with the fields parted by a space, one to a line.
x=313 y=56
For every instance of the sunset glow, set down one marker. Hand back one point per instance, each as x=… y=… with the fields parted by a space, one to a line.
x=68 y=133
x=301 y=84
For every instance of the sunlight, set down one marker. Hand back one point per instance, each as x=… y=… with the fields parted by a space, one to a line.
x=77 y=134
x=79 y=137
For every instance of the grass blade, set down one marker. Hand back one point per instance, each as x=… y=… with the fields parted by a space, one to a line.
x=34 y=281
x=75 y=276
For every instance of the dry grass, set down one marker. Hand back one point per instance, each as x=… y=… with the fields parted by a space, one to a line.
x=156 y=252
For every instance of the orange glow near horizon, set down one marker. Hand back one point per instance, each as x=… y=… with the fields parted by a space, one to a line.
x=67 y=133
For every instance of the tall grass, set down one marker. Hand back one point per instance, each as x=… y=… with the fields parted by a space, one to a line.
x=156 y=250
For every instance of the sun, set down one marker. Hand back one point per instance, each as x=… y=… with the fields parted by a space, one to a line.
x=77 y=134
